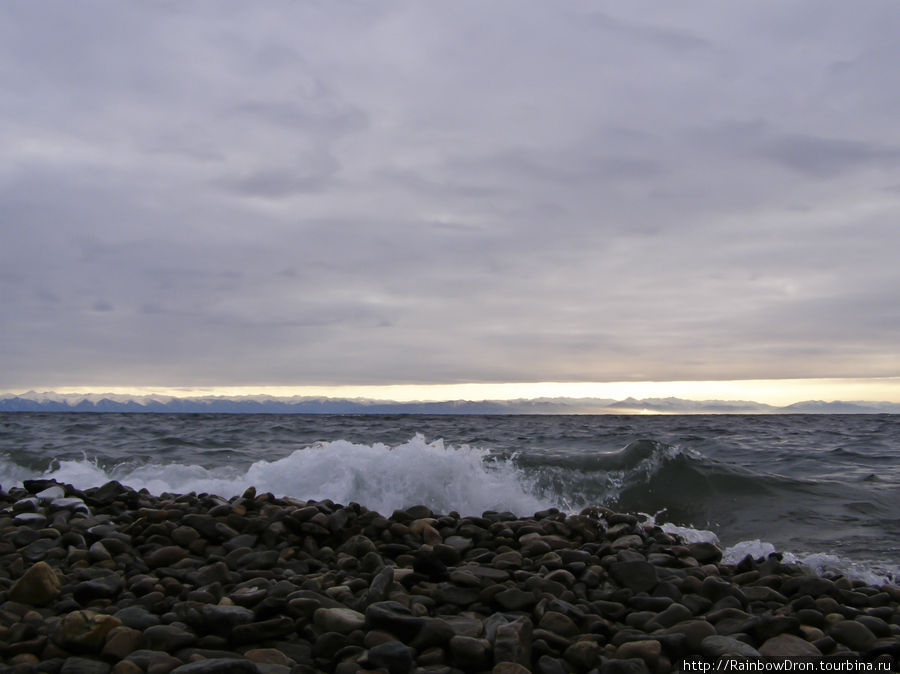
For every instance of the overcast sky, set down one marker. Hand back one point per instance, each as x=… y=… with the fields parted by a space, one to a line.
x=288 y=193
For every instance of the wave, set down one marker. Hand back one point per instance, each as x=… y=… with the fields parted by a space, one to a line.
x=643 y=476
x=468 y=480
x=689 y=492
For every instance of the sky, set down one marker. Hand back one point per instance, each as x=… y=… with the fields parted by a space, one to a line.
x=298 y=194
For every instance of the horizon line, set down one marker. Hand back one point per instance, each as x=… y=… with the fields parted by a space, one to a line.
x=768 y=391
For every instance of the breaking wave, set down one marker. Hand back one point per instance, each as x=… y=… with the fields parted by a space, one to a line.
x=690 y=493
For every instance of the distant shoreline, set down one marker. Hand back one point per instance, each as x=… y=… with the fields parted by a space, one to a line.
x=67 y=403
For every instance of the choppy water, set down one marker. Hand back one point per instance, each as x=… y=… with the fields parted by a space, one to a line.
x=826 y=488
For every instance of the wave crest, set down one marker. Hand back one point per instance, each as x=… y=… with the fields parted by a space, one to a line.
x=380 y=477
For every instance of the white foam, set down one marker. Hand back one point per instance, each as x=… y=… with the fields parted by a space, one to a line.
x=690 y=535
x=755 y=548
x=820 y=563
x=379 y=477
x=687 y=534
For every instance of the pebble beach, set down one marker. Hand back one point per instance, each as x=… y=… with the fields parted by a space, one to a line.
x=110 y=579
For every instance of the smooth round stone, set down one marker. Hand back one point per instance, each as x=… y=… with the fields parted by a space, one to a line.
x=248 y=596
x=395 y=618
x=76 y=665
x=514 y=599
x=852 y=634
x=31 y=519
x=218 y=619
x=342 y=620
x=637 y=576
x=165 y=556
x=506 y=667
x=137 y=617
x=627 y=541
x=583 y=654
x=51 y=493
x=149 y=660
x=120 y=642
x=469 y=652
x=26 y=505
x=558 y=623
x=877 y=626
x=357 y=546
x=788 y=645
x=391 y=655
x=459 y=543
x=647 y=650
x=104 y=587
x=694 y=630
x=705 y=552
x=168 y=638
x=68 y=504
x=218 y=666
x=717 y=646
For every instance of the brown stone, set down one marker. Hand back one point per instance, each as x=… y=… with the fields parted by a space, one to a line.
x=120 y=642
x=165 y=556
x=647 y=650
x=268 y=656
x=126 y=667
x=84 y=631
x=39 y=585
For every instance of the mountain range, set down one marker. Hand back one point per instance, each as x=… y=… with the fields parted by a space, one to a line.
x=262 y=404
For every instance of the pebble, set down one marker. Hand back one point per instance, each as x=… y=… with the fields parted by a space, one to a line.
x=38 y=586
x=788 y=645
x=113 y=580
x=343 y=620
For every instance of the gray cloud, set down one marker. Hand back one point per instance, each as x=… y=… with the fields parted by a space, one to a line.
x=313 y=193
x=827 y=157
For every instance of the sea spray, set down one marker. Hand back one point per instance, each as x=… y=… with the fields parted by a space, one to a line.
x=383 y=478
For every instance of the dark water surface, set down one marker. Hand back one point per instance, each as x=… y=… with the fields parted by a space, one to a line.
x=826 y=487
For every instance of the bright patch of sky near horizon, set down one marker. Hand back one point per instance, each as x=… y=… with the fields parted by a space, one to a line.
x=215 y=196
x=772 y=392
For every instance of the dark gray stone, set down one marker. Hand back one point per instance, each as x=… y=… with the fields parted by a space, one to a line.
x=637 y=576
x=853 y=634
x=512 y=642
x=262 y=630
x=217 y=666
x=209 y=527
x=558 y=623
x=84 y=666
x=515 y=599
x=717 y=646
x=788 y=645
x=393 y=656
x=395 y=618
x=470 y=653
x=705 y=553
x=447 y=593
x=157 y=659
x=216 y=619
x=105 y=587
x=168 y=638
x=381 y=584
x=676 y=613
x=629 y=666
x=137 y=617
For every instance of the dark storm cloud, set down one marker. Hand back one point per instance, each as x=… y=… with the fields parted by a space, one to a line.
x=307 y=193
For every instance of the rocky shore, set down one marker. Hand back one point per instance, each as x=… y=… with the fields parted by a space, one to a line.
x=115 y=580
